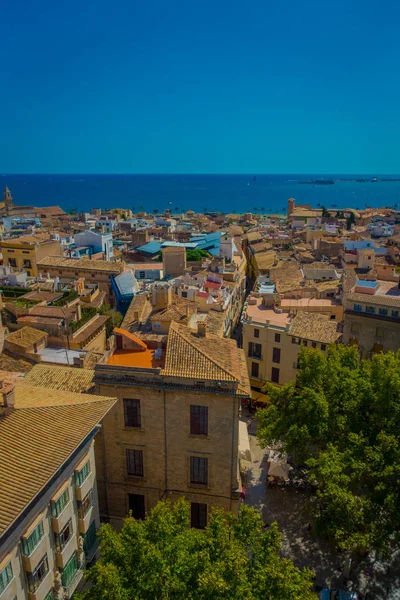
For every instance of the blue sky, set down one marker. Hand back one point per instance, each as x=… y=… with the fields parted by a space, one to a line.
x=199 y=87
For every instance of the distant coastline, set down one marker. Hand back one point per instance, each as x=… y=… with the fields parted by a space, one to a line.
x=204 y=193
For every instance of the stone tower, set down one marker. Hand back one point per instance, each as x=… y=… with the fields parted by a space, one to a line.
x=7 y=199
x=291 y=203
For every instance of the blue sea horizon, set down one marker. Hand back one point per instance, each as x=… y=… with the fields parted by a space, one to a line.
x=202 y=193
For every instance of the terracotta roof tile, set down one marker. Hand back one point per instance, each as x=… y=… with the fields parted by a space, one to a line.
x=208 y=358
x=26 y=336
x=315 y=327
x=35 y=443
x=61 y=378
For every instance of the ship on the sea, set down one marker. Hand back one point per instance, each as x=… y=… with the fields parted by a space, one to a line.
x=318 y=182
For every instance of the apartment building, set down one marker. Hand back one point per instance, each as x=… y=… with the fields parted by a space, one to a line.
x=98 y=271
x=273 y=338
x=49 y=509
x=372 y=316
x=27 y=251
x=174 y=429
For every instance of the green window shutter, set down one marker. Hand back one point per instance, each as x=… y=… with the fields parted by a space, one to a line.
x=90 y=537
x=69 y=570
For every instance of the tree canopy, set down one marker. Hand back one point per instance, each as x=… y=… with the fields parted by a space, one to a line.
x=342 y=418
x=163 y=558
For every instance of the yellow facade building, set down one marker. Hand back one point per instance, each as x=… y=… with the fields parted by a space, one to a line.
x=273 y=338
x=25 y=252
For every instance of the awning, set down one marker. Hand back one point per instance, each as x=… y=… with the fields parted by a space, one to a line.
x=259 y=397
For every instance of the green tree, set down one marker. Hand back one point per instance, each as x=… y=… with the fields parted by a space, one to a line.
x=339 y=215
x=163 y=558
x=342 y=418
x=325 y=213
x=350 y=221
x=114 y=318
x=196 y=254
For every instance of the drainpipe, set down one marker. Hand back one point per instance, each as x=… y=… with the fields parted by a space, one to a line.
x=233 y=448
x=105 y=471
x=165 y=444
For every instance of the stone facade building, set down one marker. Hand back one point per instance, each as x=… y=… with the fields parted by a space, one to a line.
x=174 y=429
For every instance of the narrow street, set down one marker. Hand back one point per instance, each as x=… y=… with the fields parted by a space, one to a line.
x=290 y=508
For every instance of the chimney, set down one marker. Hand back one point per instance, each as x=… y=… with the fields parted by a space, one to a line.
x=202 y=329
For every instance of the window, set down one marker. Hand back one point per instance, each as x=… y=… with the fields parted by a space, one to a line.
x=370 y=309
x=198 y=420
x=314 y=344
x=383 y=311
x=58 y=506
x=136 y=505
x=358 y=307
x=255 y=350
x=90 y=537
x=132 y=413
x=69 y=570
x=323 y=347
x=12 y=262
x=30 y=543
x=276 y=355
x=83 y=474
x=6 y=576
x=198 y=470
x=27 y=264
x=61 y=539
x=184 y=294
x=254 y=369
x=134 y=462
x=305 y=343
x=198 y=515
x=277 y=338
x=395 y=313
x=380 y=332
x=256 y=333
x=333 y=317
x=36 y=577
x=85 y=505
x=275 y=375
x=355 y=328
x=142 y=274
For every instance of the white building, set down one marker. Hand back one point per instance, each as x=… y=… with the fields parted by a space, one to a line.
x=99 y=242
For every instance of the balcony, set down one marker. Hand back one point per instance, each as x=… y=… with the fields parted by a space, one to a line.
x=63 y=554
x=82 y=490
x=84 y=521
x=43 y=588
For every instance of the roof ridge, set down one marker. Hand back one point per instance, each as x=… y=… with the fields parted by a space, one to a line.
x=176 y=326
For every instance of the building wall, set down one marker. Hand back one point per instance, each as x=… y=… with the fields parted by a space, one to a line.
x=100 y=277
x=29 y=252
x=288 y=357
x=11 y=548
x=371 y=333
x=174 y=261
x=167 y=446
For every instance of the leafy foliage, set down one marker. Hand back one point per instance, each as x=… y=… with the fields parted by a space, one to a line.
x=350 y=221
x=163 y=558
x=196 y=255
x=114 y=318
x=342 y=417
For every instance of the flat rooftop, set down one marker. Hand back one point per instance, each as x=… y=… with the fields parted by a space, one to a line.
x=261 y=314
x=135 y=358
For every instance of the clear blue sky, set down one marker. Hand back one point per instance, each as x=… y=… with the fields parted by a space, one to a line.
x=288 y=86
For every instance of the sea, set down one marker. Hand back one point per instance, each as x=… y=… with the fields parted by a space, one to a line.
x=201 y=193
